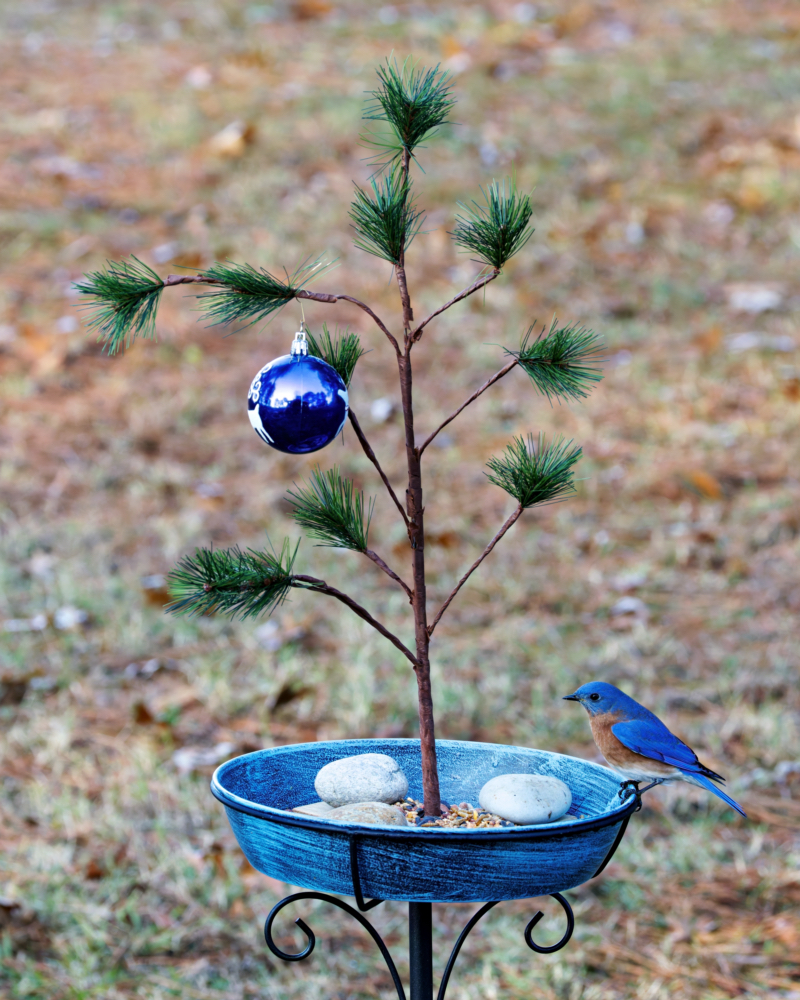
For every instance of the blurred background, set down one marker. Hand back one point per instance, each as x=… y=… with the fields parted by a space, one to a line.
x=662 y=146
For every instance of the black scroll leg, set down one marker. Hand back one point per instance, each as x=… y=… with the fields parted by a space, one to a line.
x=360 y=902
x=462 y=937
x=626 y=790
x=325 y=898
x=548 y=950
x=541 y=949
x=617 y=841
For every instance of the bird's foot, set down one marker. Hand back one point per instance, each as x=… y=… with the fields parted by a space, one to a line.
x=628 y=788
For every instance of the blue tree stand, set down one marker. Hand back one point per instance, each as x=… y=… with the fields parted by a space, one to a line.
x=421 y=866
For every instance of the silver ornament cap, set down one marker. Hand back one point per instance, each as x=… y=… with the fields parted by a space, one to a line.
x=300 y=344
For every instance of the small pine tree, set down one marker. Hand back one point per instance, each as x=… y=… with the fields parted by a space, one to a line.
x=562 y=363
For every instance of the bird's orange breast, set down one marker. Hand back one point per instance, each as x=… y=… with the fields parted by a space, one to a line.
x=607 y=743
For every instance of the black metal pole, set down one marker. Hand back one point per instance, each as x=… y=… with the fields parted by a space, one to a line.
x=420 y=950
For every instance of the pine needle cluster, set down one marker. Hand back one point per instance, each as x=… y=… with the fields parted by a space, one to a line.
x=385 y=218
x=533 y=472
x=126 y=297
x=494 y=232
x=250 y=294
x=232 y=581
x=341 y=351
x=331 y=510
x=414 y=102
x=564 y=363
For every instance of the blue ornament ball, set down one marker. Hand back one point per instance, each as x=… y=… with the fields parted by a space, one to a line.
x=297 y=404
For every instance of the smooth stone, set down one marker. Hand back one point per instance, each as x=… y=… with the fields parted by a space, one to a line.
x=371 y=813
x=314 y=809
x=368 y=777
x=526 y=798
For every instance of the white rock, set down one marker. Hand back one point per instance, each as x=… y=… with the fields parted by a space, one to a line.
x=368 y=777
x=371 y=813
x=314 y=809
x=526 y=798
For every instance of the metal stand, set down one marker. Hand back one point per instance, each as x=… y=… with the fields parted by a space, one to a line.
x=420 y=944
x=420 y=950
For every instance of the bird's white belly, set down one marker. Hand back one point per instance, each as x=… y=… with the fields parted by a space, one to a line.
x=640 y=772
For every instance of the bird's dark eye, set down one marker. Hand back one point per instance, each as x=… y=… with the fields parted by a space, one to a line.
x=594 y=697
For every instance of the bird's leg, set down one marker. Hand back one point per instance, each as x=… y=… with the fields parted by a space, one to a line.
x=653 y=783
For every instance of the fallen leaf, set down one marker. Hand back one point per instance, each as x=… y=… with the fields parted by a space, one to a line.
x=198 y=77
x=576 y=17
x=702 y=482
x=791 y=389
x=738 y=342
x=310 y=10
x=13 y=688
x=35 y=624
x=155 y=590
x=188 y=759
x=215 y=854
x=68 y=618
x=630 y=606
x=94 y=870
x=239 y=910
x=709 y=340
x=445 y=539
x=142 y=715
x=753 y=297
x=233 y=140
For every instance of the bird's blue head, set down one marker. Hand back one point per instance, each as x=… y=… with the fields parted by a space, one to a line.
x=598 y=697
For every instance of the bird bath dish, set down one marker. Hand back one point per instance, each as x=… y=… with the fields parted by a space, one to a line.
x=260 y=789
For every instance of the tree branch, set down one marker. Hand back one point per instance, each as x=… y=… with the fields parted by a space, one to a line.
x=324 y=297
x=303 y=293
x=190 y=279
x=322 y=588
x=511 y=521
x=480 y=283
x=495 y=378
x=389 y=572
x=373 y=458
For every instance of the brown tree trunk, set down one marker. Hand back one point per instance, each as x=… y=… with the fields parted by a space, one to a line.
x=416 y=534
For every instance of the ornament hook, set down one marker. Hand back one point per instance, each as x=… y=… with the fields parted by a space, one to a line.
x=300 y=344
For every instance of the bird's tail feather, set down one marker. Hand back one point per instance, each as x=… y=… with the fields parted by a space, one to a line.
x=702 y=780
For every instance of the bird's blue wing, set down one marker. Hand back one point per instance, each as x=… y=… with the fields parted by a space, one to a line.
x=651 y=738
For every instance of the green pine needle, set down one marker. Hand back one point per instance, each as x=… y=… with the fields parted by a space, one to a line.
x=564 y=363
x=494 y=232
x=126 y=297
x=415 y=103
x=232 y=582
x=533 y=472
x=341 y=353
x=386 y=220
x=330 y=509
x=250 y=294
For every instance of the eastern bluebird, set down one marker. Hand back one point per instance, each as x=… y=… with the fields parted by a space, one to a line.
x=638 y=745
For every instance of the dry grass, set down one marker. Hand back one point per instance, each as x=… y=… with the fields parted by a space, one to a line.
x=663 y=147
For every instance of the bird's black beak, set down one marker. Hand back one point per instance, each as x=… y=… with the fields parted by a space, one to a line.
x=570 y=697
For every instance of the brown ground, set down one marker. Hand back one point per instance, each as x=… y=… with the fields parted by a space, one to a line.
x=662 y=144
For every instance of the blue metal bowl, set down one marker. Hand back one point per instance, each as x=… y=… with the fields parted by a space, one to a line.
x=420 y=865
